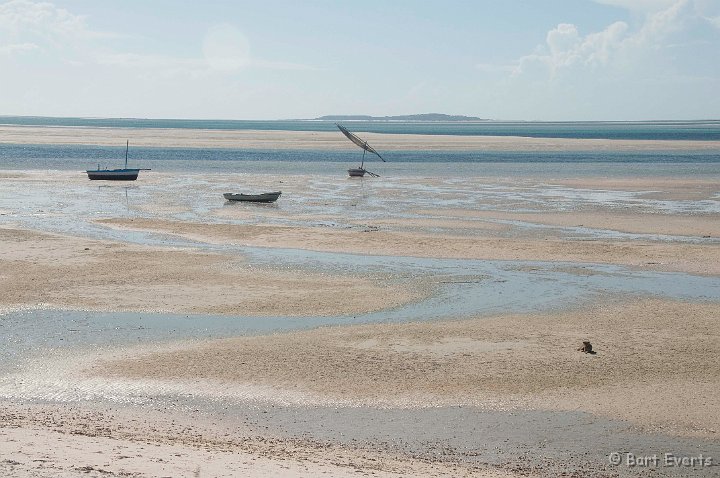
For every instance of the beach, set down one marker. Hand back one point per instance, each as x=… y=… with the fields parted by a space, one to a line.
x=421 y=325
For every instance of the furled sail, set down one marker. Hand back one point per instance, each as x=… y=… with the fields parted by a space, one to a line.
x=358 y=141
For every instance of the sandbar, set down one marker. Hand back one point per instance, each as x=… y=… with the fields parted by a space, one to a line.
x=64 y=272
x=695 y=258
x=326 y=141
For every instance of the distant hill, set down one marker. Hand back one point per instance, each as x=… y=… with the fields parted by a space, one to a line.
x=420 y=117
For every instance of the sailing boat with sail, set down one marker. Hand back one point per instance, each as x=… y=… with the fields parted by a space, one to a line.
x=361 y=171
x=124 y=174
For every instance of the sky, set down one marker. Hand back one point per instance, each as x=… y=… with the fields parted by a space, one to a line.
x=551 y=60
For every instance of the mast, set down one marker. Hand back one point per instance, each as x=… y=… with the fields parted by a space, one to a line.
x=127 y=146
x=365 y=147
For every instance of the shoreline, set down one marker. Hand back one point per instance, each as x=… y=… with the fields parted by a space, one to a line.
x=75 y=441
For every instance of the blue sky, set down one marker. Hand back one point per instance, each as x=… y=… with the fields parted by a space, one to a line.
x=274 y=59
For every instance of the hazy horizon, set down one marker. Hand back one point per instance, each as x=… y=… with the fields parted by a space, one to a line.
x=377 y=118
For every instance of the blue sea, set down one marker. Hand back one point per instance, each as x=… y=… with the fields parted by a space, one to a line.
x=691 y=162
x=699 y=130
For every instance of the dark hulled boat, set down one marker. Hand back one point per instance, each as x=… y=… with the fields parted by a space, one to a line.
x=263 y=197
x=125 y=174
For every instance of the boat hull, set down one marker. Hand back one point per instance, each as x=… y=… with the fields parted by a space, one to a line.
x=356 y=172
x=265 y=197
x=113 y=174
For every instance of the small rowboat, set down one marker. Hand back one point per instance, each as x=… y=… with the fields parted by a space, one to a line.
x=264 y=197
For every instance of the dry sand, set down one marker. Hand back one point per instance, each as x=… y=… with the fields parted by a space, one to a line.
x=54 y=271
x=312 y=140
x=65 y=442
x=656 y=364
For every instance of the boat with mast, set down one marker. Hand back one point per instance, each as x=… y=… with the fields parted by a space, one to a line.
x=125 y=174
x=361 y=171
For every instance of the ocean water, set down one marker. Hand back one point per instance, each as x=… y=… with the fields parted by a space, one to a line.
x=400 y=163
x=701 y=130
x=693 y=162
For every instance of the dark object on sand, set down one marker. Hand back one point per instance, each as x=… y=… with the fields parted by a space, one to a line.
x=264 y=197
x=587 y=348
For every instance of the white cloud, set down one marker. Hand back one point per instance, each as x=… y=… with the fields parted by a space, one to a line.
x=708 y=10
x=62 y=37
x=566 y=48
x=659 y=24
x=17 y=48
x=27 y=25
x=563 y=38
x=43 y=19
x=660 y=64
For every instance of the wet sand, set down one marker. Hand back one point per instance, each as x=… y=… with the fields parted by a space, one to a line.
x=655 y=224
x=500 y=395
x=490 y=396
x=650 y=353
x=373 y=240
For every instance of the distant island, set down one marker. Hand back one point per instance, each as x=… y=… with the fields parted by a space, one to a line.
x=420 y=117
